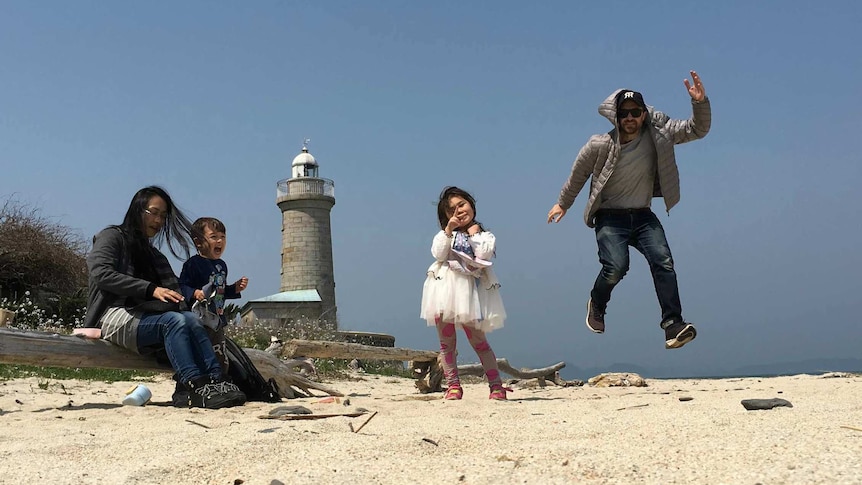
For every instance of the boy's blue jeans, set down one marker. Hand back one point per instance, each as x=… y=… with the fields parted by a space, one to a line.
x=616 y=230
x=185 y=341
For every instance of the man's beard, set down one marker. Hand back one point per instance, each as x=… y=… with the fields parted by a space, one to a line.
x=630 y=129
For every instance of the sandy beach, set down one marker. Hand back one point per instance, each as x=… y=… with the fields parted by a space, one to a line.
x=76 y=432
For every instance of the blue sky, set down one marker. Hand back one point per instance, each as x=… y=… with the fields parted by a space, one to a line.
x=213 y=99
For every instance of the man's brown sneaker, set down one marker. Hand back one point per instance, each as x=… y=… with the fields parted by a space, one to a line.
x=595 y=317
x=678 y=334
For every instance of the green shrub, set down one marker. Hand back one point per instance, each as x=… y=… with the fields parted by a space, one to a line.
x=18 y=371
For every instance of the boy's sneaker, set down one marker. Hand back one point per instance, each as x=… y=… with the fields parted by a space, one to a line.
x=180 y=399
x=678 y=334
x=209 y=393
x=595 y=317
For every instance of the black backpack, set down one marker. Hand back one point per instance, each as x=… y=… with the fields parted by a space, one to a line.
x=245 y=375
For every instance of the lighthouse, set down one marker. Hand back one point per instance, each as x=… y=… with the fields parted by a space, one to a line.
x=307 y=288
x=306 y=201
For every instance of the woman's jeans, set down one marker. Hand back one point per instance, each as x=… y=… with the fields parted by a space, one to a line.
x=616 y=230
x=185 y=341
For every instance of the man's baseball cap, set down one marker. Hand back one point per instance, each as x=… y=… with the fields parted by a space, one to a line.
x=626 y=95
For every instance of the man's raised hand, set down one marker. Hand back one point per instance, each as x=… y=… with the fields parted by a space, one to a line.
x=695 y=90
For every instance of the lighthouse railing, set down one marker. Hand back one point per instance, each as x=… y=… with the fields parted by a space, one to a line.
x=305 y=186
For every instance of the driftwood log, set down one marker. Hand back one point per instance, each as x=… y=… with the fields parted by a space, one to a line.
x=55 y=350
x=271 y=366
x=424 y=364
x=542 y=375
x=429 y=376
x=321 y=349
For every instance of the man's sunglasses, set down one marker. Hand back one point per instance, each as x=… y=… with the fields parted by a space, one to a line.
x=635 y=112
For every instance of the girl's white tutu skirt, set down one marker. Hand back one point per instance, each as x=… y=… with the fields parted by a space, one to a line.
x=462 y=299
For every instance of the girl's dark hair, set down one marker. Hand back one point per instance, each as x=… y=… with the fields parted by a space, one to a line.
x=443 y=205
x=176 y=231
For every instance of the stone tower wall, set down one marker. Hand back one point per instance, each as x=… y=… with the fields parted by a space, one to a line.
x=306 y=250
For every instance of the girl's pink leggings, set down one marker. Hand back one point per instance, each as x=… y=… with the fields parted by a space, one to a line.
x=446 y=332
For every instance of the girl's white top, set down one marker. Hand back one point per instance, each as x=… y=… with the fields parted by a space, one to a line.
x=464 y=298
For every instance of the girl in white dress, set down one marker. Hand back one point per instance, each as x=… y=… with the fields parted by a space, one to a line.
x=461 y=289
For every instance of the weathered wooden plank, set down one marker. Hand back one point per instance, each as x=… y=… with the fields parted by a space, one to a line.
x=342 y=350
x=55 y=350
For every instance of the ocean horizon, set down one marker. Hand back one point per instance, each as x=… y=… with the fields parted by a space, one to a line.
x=809 y=366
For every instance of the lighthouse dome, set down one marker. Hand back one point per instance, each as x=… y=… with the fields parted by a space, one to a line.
x=304 y=165
x=304 y=158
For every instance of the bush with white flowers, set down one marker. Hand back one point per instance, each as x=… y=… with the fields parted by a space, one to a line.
x=29 y=316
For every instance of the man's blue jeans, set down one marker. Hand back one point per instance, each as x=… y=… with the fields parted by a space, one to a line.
x=616 y=230
x=185 y=341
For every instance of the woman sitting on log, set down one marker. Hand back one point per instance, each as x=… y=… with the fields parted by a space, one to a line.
x=134 y=297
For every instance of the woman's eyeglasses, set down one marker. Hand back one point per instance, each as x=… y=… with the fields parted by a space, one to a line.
x=157 y=214
x=635 y=112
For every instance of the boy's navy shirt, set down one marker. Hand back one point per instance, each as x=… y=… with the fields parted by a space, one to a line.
x=198 y=272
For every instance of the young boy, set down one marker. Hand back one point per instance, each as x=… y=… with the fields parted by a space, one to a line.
x=203 y=281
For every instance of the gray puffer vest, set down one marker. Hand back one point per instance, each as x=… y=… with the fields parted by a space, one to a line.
x=599 y=156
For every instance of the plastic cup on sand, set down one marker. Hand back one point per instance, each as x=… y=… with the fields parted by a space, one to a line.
x=137 y=395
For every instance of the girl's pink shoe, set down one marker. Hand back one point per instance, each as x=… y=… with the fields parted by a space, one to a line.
x=454 y=393
x=498 y=393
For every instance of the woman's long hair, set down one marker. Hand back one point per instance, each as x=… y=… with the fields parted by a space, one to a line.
x=443 y=205
x=176 y=231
